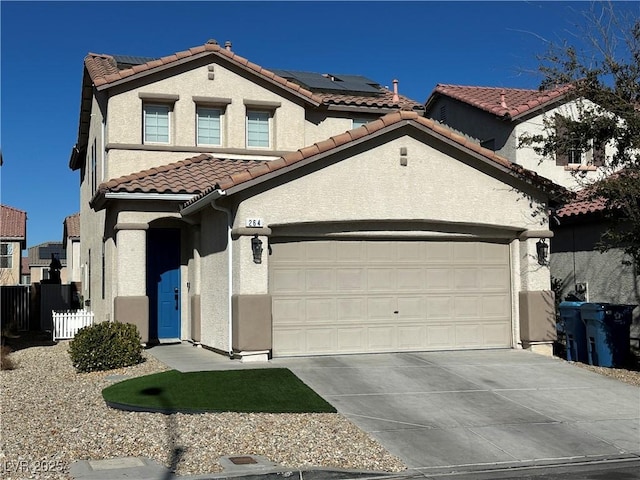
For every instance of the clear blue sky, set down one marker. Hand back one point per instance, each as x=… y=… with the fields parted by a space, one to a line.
x=43 y=45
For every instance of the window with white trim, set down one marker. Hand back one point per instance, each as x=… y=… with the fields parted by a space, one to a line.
x=208 y=122
x=258 y=128
x=6 y=255
x=156 y=123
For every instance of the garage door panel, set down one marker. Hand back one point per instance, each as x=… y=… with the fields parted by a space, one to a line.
x=410 y=279
x=381 y=279
x=495 y=306
x=288 y=310
x=411 y=307
x=381 y=252
x=466 y=279
x=377 y=296
x=352 y=309
x=411 y=337
x=320 y=310
x=439 y=279
x=496 y=334
x=352 y=339
x=438 y=253
x=440 y=307
x=440 y=336
x=350 y=280
x=381 y=338
x=321 y=252
x=467 y=306
x=494 y=278
x=320 y=280
x=288 y=281
x=321 y=340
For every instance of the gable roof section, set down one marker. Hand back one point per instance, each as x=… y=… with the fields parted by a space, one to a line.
x=190 y=177
x=13 y=224
x=311 y=153
x=105 y=71
x=508 y=103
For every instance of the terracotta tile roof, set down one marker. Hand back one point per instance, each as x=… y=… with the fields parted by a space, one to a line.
x=13 y=223
x=503 y=102
x=233 y=179
x=72 y=226
x=191 y=176
x=583 y=204
x=24 y=266
x=104 y=70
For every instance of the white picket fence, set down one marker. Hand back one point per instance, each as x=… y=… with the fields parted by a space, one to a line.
x=67 y=323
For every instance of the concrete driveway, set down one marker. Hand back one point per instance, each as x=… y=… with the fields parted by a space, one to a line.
x=471 y=410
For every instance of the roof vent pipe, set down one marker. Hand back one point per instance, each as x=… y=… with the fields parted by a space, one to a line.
x=212 y=41
x=396 y=98
x=227 y=45
x=503 y=103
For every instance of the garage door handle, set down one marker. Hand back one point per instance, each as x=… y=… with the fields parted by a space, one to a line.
x=395 y=311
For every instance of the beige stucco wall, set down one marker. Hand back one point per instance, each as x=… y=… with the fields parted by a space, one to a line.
x=125 y=109
x=11 y=276
x=528 y=158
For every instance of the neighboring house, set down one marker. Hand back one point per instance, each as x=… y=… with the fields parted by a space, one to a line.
x=496 y=118
x=40 y=260
x=13 y=239
x=248 y=211
x=71 y=244
x=580 y=266
x=25 y=272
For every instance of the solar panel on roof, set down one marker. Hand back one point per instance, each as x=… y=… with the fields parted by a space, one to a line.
x=339 y=83
x=132 y=60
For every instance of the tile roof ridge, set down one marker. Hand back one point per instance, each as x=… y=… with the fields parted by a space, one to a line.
x=207 y=47
x=4 y=205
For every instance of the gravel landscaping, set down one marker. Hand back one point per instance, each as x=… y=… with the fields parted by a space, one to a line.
x=52 y=416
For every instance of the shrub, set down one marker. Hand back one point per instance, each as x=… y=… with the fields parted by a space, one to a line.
x=105 y=346
x=6 y=363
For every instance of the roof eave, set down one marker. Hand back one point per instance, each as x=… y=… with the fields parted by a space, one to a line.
x=100 y=199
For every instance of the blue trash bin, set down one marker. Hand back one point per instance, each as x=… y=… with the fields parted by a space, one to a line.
x=608 y=331
x=574 y=330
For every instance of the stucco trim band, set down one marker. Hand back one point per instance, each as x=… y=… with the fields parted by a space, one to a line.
x=535 y=234
x=250 y=232
x=131 y=226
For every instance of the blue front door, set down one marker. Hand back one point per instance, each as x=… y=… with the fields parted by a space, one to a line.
x=163 y=282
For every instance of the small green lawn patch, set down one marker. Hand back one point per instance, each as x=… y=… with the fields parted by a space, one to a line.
x=268 y=390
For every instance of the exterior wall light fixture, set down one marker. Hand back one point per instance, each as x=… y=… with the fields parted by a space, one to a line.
x=256 y=248
x=542 y=249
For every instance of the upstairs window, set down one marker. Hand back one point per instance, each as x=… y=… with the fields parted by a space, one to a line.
x=358 y=122
x=6 y=255
x=574 y=151
x=208 y=126
x=156 y=123
x=258 y=128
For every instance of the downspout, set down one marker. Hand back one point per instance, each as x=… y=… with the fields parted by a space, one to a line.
x=229 y=266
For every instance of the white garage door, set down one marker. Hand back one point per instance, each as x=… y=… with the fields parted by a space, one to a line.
x=388 y=296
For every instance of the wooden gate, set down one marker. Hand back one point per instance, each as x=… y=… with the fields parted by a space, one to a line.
x=14 y=307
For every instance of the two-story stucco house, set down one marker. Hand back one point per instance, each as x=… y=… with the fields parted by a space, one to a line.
x=13 y=239
x=271 y=213
x=497 y=118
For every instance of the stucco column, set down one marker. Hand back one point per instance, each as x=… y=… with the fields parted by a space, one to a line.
x=131 y=304
x=251 y=302
x=194 y=286
x=536 y=299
